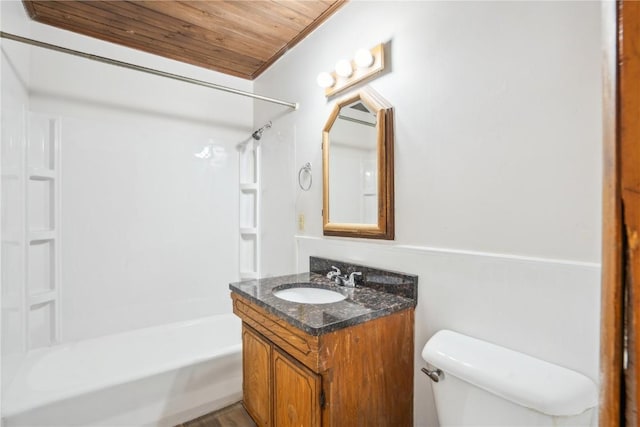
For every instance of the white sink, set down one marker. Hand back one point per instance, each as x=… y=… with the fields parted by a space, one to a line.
x=306 y=295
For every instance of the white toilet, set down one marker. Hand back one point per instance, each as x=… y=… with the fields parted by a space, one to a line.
x=482 y=384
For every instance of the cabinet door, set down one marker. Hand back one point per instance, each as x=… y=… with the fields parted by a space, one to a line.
x=296 y=393
x=256 y=376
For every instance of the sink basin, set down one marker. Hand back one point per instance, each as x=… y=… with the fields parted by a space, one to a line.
x=308 y=295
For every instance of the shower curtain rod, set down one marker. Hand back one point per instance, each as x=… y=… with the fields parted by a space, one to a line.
x=9 y=36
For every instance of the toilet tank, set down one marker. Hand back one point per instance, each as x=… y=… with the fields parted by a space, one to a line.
x=484 y=384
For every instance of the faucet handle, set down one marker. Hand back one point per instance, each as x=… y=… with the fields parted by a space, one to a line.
x=352 y=278
x=332 y=274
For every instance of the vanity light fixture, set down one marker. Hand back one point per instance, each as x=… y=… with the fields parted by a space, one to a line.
x=343 y=68
x=365 y=64
x=325 y=80
x=363 y=58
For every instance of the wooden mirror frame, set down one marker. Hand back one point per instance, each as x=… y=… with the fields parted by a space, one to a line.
x=384 y=229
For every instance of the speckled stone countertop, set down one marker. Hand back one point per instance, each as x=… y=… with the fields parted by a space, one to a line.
x=363 y=303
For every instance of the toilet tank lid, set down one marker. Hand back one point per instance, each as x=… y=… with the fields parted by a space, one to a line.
x=517 y=377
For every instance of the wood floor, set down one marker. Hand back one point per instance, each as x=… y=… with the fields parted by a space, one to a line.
x=231 y=416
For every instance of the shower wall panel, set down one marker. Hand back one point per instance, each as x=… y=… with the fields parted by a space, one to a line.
x=14 y=104
x=149 y=194
x=147 y=225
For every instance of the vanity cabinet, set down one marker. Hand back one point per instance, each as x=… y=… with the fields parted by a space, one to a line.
x=357 y=375
x=272 y=381
x=296 y=393
x=256 y=376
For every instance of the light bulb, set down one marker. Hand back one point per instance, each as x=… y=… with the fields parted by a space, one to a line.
x=343 y=68
x=325 y=80
x=363 y=58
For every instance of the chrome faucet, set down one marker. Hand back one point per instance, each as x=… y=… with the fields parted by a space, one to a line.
x=349 y=282
x=334 y=274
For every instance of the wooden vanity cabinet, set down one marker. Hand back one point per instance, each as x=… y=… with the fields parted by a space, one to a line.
x=360 y=375
x=256 y=376
x=296 y=393
x=276 y=387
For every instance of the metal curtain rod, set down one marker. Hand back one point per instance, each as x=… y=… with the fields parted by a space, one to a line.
x=178 y=77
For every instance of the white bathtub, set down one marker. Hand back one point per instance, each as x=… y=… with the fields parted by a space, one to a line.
x=160 y=376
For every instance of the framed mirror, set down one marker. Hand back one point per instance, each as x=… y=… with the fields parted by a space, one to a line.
x=357 y=168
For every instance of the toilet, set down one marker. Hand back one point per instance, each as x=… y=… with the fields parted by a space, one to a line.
x=476 y=383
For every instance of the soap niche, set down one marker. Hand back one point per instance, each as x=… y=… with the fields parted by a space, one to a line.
x=41 y=203
x=41 y=266
x=248 y=253
x=41 y=319
x=247 y=209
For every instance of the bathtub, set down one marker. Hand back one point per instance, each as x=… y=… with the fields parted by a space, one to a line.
x=160 y=376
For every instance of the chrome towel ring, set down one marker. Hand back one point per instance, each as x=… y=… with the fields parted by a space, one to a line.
x=306 y=168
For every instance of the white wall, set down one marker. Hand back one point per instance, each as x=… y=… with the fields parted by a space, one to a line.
x=497 y=168
x=149 y=184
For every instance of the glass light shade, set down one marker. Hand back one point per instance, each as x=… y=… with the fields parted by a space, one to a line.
x=343 y=68
x=325 y=80
x=363 y=58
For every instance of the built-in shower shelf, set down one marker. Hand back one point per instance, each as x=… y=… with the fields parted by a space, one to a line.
x=42 y=297
x=39 y=233
x=40 y=174
x=249 y=202
x=249 y=186
x=42 y=235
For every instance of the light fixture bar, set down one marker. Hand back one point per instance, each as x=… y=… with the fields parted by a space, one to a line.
x=358 y=73
x=293 y=105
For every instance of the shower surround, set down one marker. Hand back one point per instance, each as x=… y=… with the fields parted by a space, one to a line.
x=120 y=214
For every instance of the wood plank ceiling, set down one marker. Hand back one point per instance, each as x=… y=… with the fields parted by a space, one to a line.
x=240 y=38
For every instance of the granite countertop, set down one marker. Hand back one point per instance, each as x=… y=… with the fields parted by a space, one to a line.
x=362 y=303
